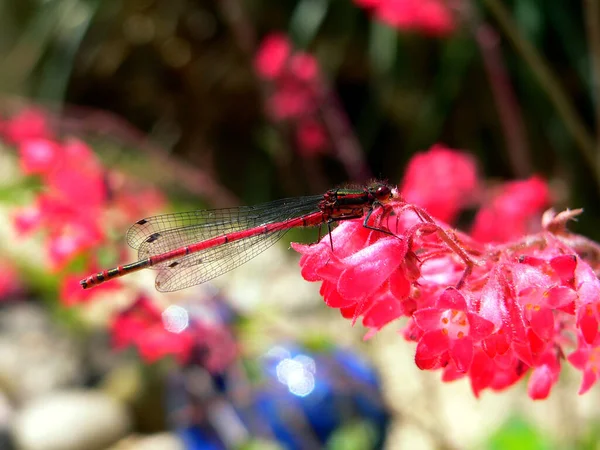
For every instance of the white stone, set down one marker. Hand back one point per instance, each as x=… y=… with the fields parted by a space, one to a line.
x=71 y=420
x=158 y=441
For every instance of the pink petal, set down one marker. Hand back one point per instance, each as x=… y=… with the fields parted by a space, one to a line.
x=461 y=351
x=559 y=297
x=370 y=267
x=542 y=322
x=580 y=357
x=540 y=383
x=536 y=343
x=399 y=284
x=382 y=313
x=333 y=299
x=564 y=266
x=588 y=325
x=428 y=319
x=479 y=328
x=432 y=344
x=589 y=379
x=452 y=299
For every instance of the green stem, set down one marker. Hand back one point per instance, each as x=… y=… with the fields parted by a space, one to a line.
x=549 y=83
x=592 y=22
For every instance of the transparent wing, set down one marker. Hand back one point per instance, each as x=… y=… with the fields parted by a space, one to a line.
x=200 y=267
x=168 y=231
x=159 y=234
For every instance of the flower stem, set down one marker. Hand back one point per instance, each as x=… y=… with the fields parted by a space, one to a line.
x=592 y=16
x=506 y=101
x=548 y=83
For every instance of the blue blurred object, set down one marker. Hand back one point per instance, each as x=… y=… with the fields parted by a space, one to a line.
x=306 y=397
x=302 y=401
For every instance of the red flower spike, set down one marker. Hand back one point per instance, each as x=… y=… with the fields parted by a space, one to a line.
x=141 y=325
x=430 y=17
x=518 y=206
x=28 y=124
x=304 y=66
x=512 y=310
x=272 y=56
x=442 y=181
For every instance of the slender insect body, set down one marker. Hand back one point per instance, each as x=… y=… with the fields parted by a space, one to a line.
x=227 y=238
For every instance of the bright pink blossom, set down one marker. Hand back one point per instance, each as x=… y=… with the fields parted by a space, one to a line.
x=272 y=56
x=544 y=376
x=294 y=91
x=450 y=326
x=28 y=124
x=514 y=211
x=430 y=17
x=489 y=312
x=39 y=156
x=10 y=282
x=145 y=326
x=587 y=359
x=442 y=181
x=141 y=326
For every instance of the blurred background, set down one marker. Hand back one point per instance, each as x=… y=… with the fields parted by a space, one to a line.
x=113 y=111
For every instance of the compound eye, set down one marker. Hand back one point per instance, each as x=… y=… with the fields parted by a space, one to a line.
x=383 y=192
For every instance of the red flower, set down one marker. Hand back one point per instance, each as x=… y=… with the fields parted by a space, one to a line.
x=38 y=156
x=28 y=124
x=172 y=332
x=272 y=56
x=489 y=312
x=10 y=282
x=450 y=326
x=587 y=359
x=294 y=96
x=544 y=376
x=515 y=211
x=442 y=181
x=354 y=278
x=430 y=17
x=27 y=219
x=141 y=325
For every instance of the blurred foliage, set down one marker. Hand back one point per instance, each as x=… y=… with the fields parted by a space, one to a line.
x=517 y=434
x=182 y=72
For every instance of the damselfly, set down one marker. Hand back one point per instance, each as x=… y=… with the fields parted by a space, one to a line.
x=193 y=247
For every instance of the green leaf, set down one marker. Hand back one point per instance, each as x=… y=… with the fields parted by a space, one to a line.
x=355 y=436
x=383 y=46
x=306 y=20
x=517 y=434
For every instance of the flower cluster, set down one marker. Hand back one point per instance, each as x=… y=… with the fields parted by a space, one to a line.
x=293 y=78
x=157 y=333
x=430 y=17
x=492 y=309
x=78 y=201
x=76 y=206
x=442 y=181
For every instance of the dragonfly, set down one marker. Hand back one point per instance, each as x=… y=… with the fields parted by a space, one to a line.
x=190 y=248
